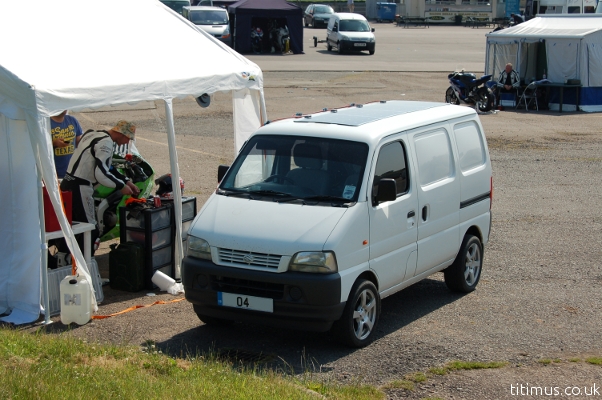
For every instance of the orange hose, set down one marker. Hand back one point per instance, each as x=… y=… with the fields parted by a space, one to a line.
x=132 y=308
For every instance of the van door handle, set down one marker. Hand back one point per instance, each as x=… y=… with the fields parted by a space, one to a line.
x=411 y=214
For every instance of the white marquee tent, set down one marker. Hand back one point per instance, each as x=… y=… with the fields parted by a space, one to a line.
x=75 y=54
x=568 y=46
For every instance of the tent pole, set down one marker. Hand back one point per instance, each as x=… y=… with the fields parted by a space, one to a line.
x=175 y=184
x=44 y=258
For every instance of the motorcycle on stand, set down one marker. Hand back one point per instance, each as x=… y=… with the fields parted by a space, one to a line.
x=257 y=40
x=280 y=39
x=107 y=201
x=466 y=88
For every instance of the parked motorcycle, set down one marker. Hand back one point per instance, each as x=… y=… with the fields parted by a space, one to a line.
x=256 y=40
x=107 y=201
x=465 y=87
x=280 y=39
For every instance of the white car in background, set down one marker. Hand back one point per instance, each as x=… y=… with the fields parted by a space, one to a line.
x=213 y=20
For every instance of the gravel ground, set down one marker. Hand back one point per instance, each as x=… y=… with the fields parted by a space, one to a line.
x=539 y=296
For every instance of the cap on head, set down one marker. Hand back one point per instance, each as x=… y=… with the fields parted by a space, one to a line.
x=126 y=129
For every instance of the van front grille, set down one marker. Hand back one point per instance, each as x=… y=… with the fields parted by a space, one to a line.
x=247 y=287
x=246 y=258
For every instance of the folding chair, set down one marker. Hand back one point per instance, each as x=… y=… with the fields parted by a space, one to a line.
x=528 y=96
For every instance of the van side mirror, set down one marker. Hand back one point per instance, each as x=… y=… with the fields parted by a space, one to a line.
x=373 y=30
x=387 y=191
x=221 y=172
x=335 y=29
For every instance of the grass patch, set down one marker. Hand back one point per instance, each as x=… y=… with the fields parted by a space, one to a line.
x=545 y=361
x=467 y=365
x=400 y=384
x=594 y=360
x=575 y=359
x=416 y=377
x=50 y=367
x=438 y=370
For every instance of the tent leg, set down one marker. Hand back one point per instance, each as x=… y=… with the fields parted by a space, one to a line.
x=44 y=258
x=175 y=183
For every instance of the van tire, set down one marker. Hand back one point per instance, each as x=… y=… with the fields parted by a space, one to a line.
x=464 y=274
x=207 y=320
x=328 y=46
x=339 y=48
x=360 y=316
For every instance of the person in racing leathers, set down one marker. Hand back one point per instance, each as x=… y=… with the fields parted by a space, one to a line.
x=91 y=165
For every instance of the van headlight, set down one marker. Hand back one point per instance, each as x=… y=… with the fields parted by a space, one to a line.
x=198 y=248
x=321 y=262
x=343 y=37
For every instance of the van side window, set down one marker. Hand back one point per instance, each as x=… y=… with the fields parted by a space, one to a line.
x=471 y=148
x=391 y=164
x=434 y=155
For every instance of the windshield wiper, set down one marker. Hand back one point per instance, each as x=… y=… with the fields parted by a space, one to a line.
x=334 y=200
x=227 y=192
x=268 y=193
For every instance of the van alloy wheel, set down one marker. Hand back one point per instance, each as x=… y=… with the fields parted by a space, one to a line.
x=464 y=274
x=358 y=322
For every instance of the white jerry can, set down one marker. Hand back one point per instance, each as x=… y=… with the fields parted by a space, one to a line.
x=76 y=300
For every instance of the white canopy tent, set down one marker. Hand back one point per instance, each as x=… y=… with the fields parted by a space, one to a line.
x=565 y=46
x=75 y=54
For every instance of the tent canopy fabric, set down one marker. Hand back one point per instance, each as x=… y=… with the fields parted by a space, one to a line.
x=78 y=54
x=247 y=14
x=567 y=46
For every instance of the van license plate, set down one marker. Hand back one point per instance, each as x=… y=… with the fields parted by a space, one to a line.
x=245 y=302
x=359 y=44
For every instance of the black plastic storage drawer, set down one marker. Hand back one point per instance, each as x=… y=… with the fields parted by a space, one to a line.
x=154 y=229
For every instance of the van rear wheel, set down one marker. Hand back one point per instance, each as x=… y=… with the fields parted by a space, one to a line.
x=358 y=322
x=464 y=274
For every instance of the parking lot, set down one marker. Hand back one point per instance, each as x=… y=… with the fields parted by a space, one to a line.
x=540 y=293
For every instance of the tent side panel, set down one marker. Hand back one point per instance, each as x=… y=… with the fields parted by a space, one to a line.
x=591 y=99
x=20 y=227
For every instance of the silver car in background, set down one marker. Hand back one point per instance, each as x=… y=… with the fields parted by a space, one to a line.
x=213 y=20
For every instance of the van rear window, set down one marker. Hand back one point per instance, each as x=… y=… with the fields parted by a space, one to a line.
x=433 y=151
x=471 y=148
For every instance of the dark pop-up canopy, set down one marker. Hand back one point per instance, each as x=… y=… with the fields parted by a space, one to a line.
x=247 y=14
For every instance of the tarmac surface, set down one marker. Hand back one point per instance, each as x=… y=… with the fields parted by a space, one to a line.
x=539 y=298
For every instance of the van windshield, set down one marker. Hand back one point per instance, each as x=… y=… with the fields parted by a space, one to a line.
x=354 y=25
x=297 y=168
x=208 y=17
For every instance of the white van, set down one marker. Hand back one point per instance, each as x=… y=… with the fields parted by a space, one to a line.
x=213 y=20
x=350 y=32
x=323 y=215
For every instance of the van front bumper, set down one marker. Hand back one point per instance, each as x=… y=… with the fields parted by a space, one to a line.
x=349 y=45
x=302 y=301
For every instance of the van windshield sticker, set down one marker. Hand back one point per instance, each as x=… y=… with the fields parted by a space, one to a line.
x=348 y=192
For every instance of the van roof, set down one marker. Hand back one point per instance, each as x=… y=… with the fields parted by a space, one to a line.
x=367 y=122
x=200 y=8
x=350 y=16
